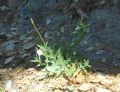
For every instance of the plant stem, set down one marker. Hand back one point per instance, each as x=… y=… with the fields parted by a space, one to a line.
x=37 y=31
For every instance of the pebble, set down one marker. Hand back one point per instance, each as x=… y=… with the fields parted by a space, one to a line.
x=71 y=88
x=106 y=82
x=90 y=49
x=103 y=60
x=103 y=90
x=29 y=38
x=47 y=35
x=100 y=76
x=13 y=90
x=48 y=21
x=86 y=86
x=13 y=29
x=31 y=69
x=8 y=85
x=8 y=60
x=40 y=76
x=62 y=29
x=99 y=52
x=93 y=79
x=22 y=37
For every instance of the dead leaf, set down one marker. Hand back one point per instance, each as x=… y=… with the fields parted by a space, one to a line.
x=78 y=79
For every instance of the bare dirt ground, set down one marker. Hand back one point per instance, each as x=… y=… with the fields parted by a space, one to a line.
x=31 y=80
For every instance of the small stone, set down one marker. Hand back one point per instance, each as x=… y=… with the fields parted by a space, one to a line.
x=99 y=52
x=70 y=88
x=22 y=37
x=9 y=35
x=86 y=86
x=93 y=79
x=40 y=76
x=106 y=82
x=100 y=76
x=48 y=21
x=29 y=38
x=14 y=33
x=90 y=49
x=103 y=60
x=47 y=35
x=62 y=29
x=13 y=29
x=31 y=69
x=8 y=60
x=13 y=90
x=10 y=69
x=8 y=85
x=103 y=90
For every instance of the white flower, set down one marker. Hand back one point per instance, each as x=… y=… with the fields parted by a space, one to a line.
x=39 y=52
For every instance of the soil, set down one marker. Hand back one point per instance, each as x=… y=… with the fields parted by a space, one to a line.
x=101 y=44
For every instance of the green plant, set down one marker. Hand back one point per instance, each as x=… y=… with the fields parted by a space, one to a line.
x=84 y=65
x=62 y=60
x=55 y=61
x=79 y=32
